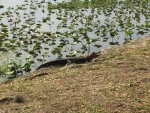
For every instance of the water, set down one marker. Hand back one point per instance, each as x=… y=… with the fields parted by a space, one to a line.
x=78 y=26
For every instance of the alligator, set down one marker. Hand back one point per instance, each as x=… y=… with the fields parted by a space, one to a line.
x=67 y=61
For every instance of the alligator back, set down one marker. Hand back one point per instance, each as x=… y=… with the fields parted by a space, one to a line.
x=63 y=62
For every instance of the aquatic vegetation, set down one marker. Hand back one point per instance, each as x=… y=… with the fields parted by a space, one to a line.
x=73 y=28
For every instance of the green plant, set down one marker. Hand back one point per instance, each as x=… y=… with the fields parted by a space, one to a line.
x=14 y=69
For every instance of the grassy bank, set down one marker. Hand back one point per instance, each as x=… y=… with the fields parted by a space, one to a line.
x=117 y=81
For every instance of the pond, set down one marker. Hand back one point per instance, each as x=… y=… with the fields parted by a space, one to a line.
x=37 y=31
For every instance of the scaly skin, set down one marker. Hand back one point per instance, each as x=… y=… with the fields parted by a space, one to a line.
x=63 y=62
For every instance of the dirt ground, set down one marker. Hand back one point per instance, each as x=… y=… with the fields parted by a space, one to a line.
x=117 y=81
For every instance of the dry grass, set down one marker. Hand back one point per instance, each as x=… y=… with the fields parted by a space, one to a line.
x=118 y=81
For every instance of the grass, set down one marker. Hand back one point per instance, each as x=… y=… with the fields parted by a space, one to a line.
x=117 y=81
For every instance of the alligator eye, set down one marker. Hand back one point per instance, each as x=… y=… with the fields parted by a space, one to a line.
x=68 y=62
